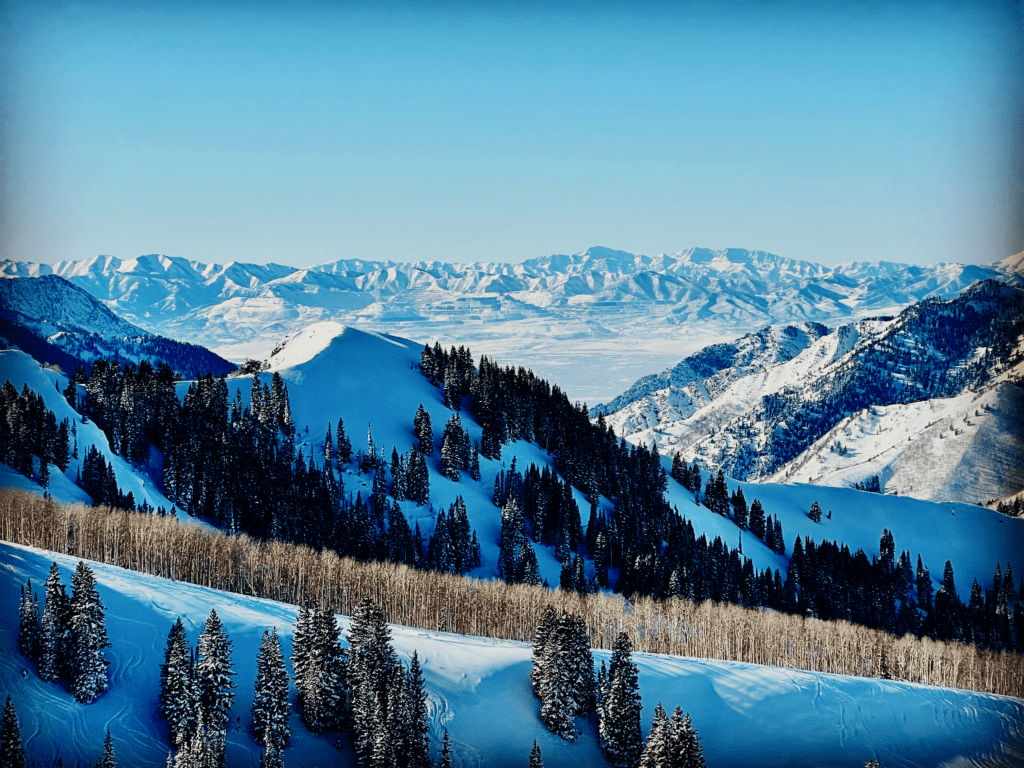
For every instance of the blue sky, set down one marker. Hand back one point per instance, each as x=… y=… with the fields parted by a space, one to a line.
x=462 y=132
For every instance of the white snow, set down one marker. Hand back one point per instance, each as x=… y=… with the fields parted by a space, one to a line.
x=479 y=690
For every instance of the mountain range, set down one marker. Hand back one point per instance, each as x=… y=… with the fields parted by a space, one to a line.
x=928 y=403
x=554 y=314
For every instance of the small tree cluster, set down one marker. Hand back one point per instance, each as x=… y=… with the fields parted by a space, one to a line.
x=69 y=638
x=195 y=692
x=388 y=726
x=12 y=753
x=453 y=547
x=672 y=743
x=456 y=449
x=27 y=429
x=318 y=661
x=562 y=675
x=517 y=562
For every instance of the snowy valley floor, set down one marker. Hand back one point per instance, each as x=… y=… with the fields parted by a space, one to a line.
x=479 y=690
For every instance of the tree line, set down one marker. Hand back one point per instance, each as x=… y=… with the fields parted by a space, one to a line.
x=292 y=573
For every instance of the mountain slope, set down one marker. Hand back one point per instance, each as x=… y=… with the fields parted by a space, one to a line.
x=553 y=314
x=864 y=400
x=478 y=689
x=60 y=323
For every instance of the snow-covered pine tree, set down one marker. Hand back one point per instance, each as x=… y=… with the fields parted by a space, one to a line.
x=657 y=753
x=344 y=446
x=815 y=513
x=424 y=432
x=213 y=678
x=536 y=760
x=179 y=693
x=451 y=448
x=416 y=749
x=739 y=508
x=53 y=651
x=109 y=759
x=446 y=751
x=687 y=751
x=29 y=623
x=756 y=521
x=619 y=719
x=12 y=753
x=541 y=636
x=270 y=707
x=88 y=636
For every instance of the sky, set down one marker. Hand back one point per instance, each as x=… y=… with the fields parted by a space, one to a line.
x=305 y=132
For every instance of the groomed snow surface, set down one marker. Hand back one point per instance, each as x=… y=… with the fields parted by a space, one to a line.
x=479 y=690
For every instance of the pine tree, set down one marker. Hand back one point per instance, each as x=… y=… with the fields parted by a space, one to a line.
x=179 y=693
x=88 y=637
x=739 y=508
x=619 y=718
x=109 y=760
x=536 y=761
x=12 y=753
x=815 y=513
x=658 y=752
x=446 y=751
x=213 y=679
x=29 y=623
x=417 y=747
x=270 y=707
x=756 y=520
x=54 y=651
x=424 y=432
x=344 y=450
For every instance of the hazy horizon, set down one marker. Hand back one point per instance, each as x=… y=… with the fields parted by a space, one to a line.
x=306 y=133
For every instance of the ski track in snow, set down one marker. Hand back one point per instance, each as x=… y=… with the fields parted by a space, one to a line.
x=479 y=689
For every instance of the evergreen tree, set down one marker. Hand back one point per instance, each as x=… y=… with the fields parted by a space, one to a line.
x=756 y=521
x=54 y=651
x=270 y=707
x=12 y=753
x=446 y=751
x=619 y=718
x=213 y=680
x=815 y=513
x=109 y=760
x=29 y=623
x=536 y=761
x=344 y=450
x=658 y=752
x=739 y=508
x=417 y=747
x=179 y=692
x=424 y=432
x=88 y=636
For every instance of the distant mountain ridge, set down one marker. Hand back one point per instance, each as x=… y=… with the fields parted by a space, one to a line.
x=930 y=401
x=59 y=323
x=552 y=313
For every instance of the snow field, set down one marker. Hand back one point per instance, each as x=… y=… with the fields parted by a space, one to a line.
x=479 y=690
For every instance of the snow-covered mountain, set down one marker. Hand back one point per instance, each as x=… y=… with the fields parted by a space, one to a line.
x=478 y=689
x=60 y=323
x=930 y=401
x=555 y=314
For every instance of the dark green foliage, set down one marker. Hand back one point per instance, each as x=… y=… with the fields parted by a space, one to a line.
x=536 y=761
x=87 y=636
x=29 y=623
x=179 y=691
x=28 y=429
x=562 y=675
x=619 y=714
x=12 y=753
x=815 y=513
x=270 y=707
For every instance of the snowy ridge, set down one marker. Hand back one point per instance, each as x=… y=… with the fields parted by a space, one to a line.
x=553 y=314
x=61 y=324
x=882 y=397
x=478 y=689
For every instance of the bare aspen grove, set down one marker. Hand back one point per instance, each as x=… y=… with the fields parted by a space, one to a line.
x=165 y=547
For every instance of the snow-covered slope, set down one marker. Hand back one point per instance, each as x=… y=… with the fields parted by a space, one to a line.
x=21 y=370
x=478 y=689
x=370 y=380
x=929 y=401
x=593 y=321
x=59 y=323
